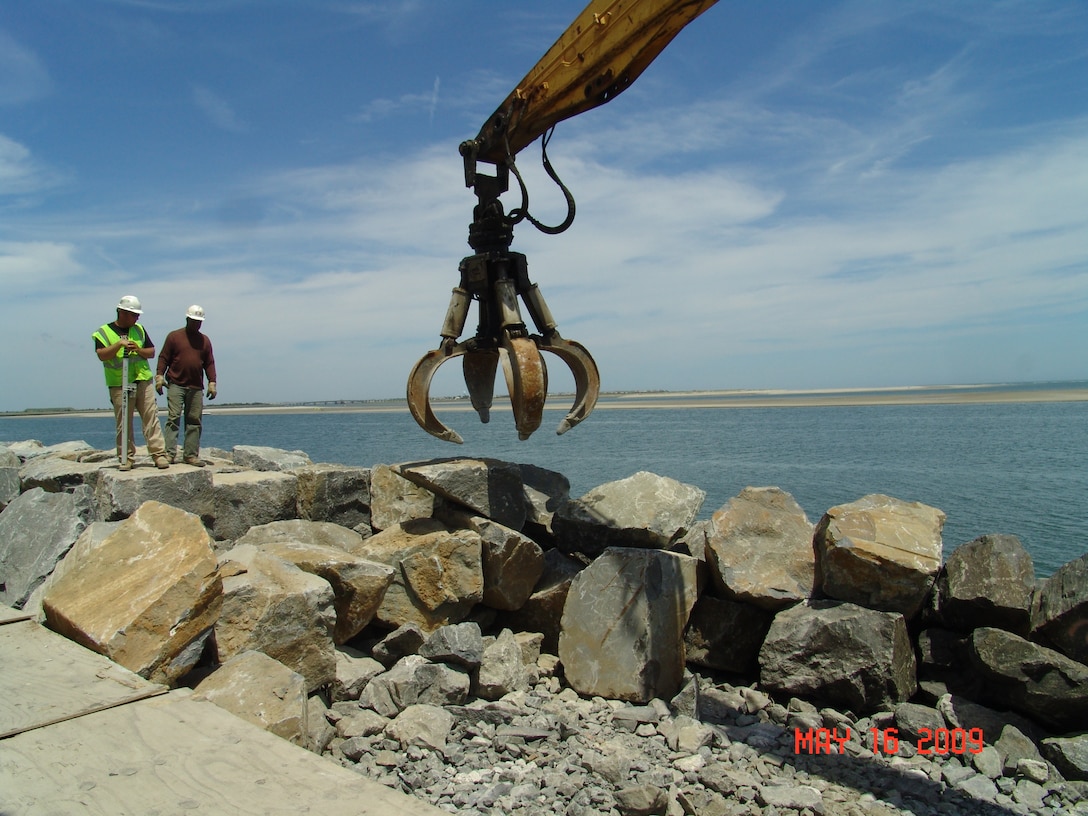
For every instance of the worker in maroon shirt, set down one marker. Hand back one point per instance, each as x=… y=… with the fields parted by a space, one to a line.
x=185 y=358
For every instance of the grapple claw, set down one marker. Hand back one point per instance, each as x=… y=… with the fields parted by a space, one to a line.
x=480 y=367
x=527 y=382
x=419 y=386
x=587 y=379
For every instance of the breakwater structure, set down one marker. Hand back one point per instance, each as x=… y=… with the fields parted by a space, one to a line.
x=466 y=632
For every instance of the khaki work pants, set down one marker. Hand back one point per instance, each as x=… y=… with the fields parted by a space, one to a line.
x=142 y=402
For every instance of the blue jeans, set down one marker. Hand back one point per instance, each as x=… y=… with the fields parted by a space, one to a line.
x=187 y=402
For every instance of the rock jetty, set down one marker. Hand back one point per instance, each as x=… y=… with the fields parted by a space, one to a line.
x=466 y=631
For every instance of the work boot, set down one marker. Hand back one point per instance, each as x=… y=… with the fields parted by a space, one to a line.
x=161 y=462
x=125 y=465
x=195 y=461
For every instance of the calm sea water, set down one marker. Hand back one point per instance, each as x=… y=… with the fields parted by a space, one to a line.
x=1016 y=468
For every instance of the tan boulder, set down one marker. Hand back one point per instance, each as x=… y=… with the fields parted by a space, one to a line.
x=262 y=691
x=439 y=573
x=879 y=552
x=759 y=547
x=512 y=562
x=357 y=584
x=145 y=597
x=273 y=607
x=394 y=499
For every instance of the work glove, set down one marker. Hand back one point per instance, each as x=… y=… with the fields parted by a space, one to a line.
x=159 y=383
x=211 y=391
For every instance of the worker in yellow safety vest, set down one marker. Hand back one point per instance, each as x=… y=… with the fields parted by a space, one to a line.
x=125 y=339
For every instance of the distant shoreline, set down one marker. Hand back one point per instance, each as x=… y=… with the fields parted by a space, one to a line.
x=899 y=395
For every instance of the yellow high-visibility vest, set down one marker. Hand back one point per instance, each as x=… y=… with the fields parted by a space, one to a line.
x=138 y=369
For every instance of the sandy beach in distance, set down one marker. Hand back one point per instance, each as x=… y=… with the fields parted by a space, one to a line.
x=903 y=395
x=770 y=398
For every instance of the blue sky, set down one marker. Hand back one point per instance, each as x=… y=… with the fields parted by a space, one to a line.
x=795 y=195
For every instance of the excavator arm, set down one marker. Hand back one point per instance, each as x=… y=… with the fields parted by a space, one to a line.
x=600 y=54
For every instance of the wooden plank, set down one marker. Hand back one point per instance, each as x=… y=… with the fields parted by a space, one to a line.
x=173 y=754
x=47 y=678
x=9 y=615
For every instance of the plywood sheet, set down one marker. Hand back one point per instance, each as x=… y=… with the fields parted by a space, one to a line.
x=173 y=754
x=9 y=615
x=45 y=678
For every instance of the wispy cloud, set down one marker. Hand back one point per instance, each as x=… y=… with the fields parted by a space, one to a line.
x=217 y=109
x=20 y=173
x=23 y=76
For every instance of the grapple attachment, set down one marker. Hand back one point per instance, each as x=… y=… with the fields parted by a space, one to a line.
x=496 y=280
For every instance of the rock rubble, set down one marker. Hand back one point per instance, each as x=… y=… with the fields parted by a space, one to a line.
x=465 y=631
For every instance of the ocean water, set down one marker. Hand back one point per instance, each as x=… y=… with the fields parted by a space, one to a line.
x=1014 y=468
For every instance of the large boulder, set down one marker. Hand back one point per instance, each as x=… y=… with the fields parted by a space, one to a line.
x=438 y=573
x=326 y=549
x=488 y=487
x=316 y=533
x=726 y=635
x=262 y=691
x=643 y=510
x=394 y=499
x=545 y=491
x=759 y=547
x=119 y=493
x=840 y=652
x=1038 y=682
x=249 y=498
x=334 y=493
x=273 y=607
x=10 y=483
x=93 y=534
x=36 y=530
x=542 y=611
x=1059 y=614
x=987 y=582
x=146 y=597
x=623 y=624
x=259 y=457
x=358 y=585
x=879 y=552
x=57 y=473
x=512 y=562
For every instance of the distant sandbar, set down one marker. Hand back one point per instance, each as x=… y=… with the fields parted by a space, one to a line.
x=770 y=398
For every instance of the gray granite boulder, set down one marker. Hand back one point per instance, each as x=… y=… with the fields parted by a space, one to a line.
x=643 y=510
x=839 y=652
x=623 y=624
x=987 y=582
x=259 y=457
x=36 y=530
x=489 y=487
x=1038 y=682
x=335 y=493
x=1059 y=614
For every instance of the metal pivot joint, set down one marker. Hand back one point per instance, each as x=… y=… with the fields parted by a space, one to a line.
x=496 y=279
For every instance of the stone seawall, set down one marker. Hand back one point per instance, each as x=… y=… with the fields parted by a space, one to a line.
x=431 y=623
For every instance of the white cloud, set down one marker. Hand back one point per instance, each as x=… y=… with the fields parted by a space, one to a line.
x=23 y=77
x=20 y=173
x=217 y=109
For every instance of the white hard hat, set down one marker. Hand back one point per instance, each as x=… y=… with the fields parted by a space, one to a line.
x=195 y=312
x=130 y=303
